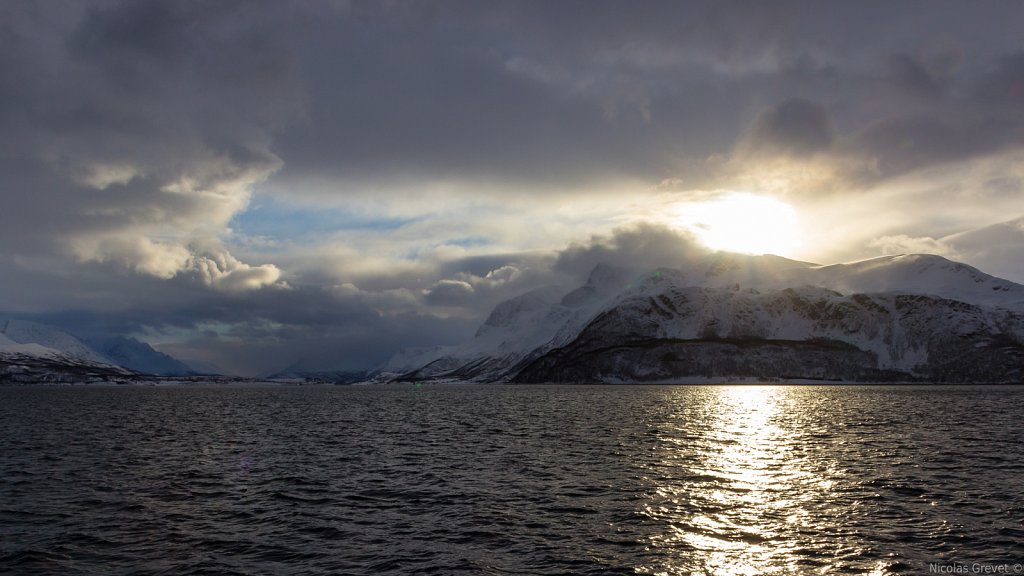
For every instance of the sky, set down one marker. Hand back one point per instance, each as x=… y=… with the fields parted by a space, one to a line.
x=253 y=185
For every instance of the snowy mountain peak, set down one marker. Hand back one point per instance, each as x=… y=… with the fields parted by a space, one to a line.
x=35 y=352
x=511 y=312
x=31 y=352
x=49 y=337
x=407 y=360
x=141 y=357
x=604 y=275
x=9 y=347
x=891 y=318
x=920 y=274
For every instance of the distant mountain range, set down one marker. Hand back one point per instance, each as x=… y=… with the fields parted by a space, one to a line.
x=34 y=352
x=302 y=373
x=904 y=318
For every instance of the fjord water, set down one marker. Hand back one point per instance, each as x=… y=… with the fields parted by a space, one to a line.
x=463 y=479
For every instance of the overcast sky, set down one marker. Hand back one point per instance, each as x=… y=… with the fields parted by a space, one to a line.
x=258 y=184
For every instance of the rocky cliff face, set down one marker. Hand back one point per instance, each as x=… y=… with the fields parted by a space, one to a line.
x=902 y=318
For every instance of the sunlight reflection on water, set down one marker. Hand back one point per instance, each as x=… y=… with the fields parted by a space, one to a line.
x=462 y=479
x=747 y=490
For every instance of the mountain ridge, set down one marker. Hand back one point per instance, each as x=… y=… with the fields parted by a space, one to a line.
x=36 y=352
x=136 y=355
x=894 y=318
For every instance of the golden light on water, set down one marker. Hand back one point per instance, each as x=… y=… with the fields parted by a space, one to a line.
x=747 y=489
x=750 y=460
x=743 y=222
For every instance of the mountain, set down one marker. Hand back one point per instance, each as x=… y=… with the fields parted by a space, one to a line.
x=25 y=332
x=33 y=352
x=521 y=329
x=140 y=357
x=917 y=274
x=405 y=361
x=896 y=318
x=300 y=372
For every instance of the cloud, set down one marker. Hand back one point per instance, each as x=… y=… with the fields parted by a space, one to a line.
x=139 y=253
x=639 y=247
x=347 y=325
x=138 y=135
x=103 y=176
x=161 y=163
x=220 y=270
x=467 y=289
x=502 y=275
x=466 y=286
x=929 y=110
x=903 y=244
x=795 y=127
x=995 y=249
x=1004 y=83
x=917 y=79
x=448 y=293
x=963 y=116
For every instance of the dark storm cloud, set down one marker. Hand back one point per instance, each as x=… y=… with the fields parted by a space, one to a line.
x=537 y=92
x=913 y=76
x=982 y=115
x=570 y=94
x=795 y=127
x=899 y=145
x=137 y=80
x=563 y=92
x=135 y=131
x=1004 y=83
x=219 y=65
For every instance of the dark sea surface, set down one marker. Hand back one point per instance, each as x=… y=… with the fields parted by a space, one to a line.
x=466 y=479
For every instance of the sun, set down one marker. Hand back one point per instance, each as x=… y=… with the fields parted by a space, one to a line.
x=742 y=222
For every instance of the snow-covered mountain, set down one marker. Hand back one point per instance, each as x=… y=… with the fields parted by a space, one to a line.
x=35 y=352
x=909 y=317
x=523 y=328
x=406 y=360
x=141 y=357
x=917 y=274
x=54 y=339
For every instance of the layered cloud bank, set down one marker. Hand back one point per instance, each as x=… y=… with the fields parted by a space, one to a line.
x=254 y=184
x=133 y=134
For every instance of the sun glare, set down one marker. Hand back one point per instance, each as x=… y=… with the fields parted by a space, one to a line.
x=743 y=222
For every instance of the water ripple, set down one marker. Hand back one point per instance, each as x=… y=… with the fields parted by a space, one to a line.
x=509 y=480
